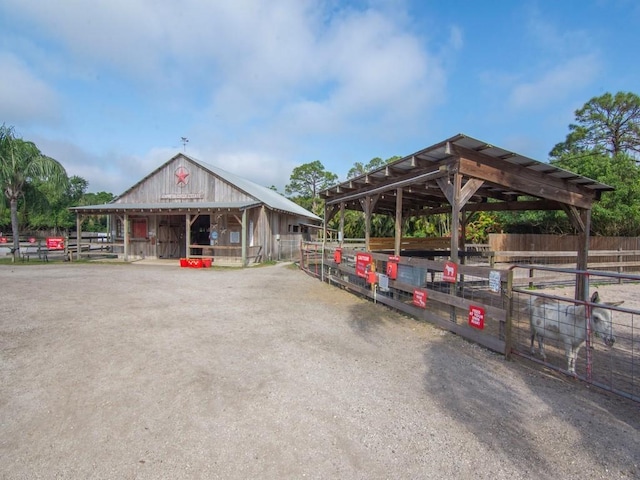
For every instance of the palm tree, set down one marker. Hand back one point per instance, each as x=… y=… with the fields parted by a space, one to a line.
x=21 y=163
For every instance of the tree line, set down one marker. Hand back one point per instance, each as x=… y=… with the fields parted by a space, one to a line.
x=603 y=144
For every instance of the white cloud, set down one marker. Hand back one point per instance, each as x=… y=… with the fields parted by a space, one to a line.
x=252 y=79
x=25 y=98
x=556 y=83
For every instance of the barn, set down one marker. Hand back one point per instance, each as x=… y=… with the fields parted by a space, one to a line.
x=187 y=208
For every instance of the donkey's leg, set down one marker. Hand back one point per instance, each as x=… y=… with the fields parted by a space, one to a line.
x=572 y=353
x=541 y=347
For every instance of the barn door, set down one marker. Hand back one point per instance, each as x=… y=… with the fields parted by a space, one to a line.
x=170 y=236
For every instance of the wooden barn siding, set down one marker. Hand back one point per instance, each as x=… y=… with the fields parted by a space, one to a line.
x=268 y=224
x=511 y=242
x=200 y=181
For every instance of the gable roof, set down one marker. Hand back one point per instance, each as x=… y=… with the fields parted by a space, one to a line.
x=270 y=198
x=260 y=194
x=505 y=181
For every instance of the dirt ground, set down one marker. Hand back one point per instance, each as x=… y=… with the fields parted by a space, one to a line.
x=153 y=372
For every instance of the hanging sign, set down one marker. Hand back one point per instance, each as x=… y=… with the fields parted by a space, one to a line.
x=494 y=281
x=363 y=262
x=476 y=317
x=55 y=243
x=383 y=282
x=420 y=298
x=450 y=272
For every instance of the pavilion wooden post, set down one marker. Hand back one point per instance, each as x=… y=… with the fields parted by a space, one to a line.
x=126 y=237
x=244 y=237
x=368 y=206
x=582 y=286
x=581 y=220
x=398 y=232
x=455 y=218
x=78 y=235
x=341 y=231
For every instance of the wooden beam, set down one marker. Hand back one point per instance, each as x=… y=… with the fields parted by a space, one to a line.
x=413 y=178
x=574 y=218
x=521 y=179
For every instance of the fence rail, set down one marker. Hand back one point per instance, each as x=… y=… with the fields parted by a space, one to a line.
x=487 y=303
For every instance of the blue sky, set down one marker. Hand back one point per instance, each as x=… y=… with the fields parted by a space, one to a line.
x=109 y=87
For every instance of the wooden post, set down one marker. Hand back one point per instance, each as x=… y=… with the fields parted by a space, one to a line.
x=455 y=217
x=582 y=283
x=367 y=222
x=244 y=237
x=341 y=232
x=126 y=237
x=508 y=341
x=78 y=236
x=187 y=234
x=398 y=232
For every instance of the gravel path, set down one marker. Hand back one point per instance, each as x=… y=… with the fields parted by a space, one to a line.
x=145 y=372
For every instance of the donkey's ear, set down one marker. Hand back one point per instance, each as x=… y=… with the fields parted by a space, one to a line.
x=595 y=298
x=615 y=304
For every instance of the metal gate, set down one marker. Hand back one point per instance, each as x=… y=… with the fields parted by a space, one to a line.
x=614 y=367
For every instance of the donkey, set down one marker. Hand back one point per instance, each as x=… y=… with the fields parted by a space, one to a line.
x=550 y=319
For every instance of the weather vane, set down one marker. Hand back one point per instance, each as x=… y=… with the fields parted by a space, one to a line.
x=185 y=140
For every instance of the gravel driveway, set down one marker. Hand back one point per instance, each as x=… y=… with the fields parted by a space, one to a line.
x=145 y=371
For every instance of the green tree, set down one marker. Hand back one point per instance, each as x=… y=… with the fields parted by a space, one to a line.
x=607 y=124
x=307 y=181
x=22 y=164
x=618 y=212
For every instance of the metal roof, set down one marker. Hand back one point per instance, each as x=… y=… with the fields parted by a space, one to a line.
x=164 y=207
x=269 y=197
x=418 y=173
x=262 y=195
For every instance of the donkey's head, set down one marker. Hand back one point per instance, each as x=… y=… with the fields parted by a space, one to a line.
x=601 y=319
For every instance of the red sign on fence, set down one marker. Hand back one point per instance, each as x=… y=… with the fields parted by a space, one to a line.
x=363 y=261
x=476 y=317
x=3 y=240
x=55 y=243
x=450 y=272
x=420 y=298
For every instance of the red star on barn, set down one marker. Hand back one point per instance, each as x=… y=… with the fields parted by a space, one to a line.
x=182 y=174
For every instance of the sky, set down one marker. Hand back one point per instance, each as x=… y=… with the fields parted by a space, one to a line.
x=109 y=88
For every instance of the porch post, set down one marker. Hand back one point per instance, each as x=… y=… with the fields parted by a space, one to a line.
x=78 y=236
x=126 y=237
x=187 y=234
x=244 y=237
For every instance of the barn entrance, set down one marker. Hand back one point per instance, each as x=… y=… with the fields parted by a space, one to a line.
x=171 y=242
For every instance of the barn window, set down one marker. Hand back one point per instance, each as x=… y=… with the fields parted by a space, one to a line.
x=294 y=228
x=139 y=227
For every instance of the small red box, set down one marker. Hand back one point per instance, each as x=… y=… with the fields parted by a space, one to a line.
x=195 y=262
x=183 y=262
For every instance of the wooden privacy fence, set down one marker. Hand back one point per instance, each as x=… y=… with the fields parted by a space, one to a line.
x=408 y=244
